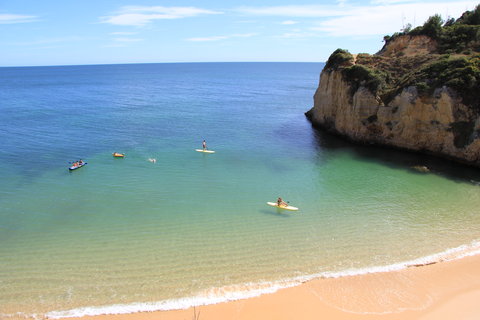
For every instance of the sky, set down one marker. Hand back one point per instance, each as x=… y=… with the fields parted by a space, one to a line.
x=69 y=32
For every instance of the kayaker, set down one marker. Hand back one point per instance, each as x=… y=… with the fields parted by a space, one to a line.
x=281 y=203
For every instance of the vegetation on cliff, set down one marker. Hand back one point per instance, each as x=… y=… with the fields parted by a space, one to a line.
x=459 y=73
x=447 y=54
x=452 y=36
x=338 y=59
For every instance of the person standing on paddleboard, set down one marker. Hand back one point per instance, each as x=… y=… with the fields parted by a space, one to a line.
x=204 y=145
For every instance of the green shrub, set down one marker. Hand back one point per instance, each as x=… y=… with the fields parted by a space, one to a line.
x=432 y=28
x=338 y=58
x=449 y=22
x=417 y=31
x=407 y=28
x=422 y=87
x=458 y=37
x=359 y=75
x=461 y=74
x=470 y=17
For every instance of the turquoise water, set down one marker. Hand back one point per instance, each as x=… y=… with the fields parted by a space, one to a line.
x=122 y=235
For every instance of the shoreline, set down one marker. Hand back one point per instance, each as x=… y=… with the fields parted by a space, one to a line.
x=444 y=290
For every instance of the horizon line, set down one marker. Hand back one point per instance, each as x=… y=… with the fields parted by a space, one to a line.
x=131 y=63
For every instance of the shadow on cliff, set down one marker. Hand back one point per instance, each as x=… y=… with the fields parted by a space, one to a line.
x=399 y=159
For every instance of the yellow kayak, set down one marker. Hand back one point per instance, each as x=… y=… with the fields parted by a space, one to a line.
x=274 y=204
x=118 y=155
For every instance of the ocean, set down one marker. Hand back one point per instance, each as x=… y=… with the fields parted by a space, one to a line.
x=126 y=235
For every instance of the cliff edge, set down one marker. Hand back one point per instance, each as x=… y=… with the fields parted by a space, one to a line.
x=420 y=92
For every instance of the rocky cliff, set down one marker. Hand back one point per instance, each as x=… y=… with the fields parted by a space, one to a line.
x=417 y=93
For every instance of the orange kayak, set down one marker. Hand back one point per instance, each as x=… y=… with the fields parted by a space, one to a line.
x=118 y=155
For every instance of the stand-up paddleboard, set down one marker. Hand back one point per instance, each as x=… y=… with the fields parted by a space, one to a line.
x=205 y=151
x=274 y=204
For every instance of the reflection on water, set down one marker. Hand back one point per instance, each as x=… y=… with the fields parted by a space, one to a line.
x=395 y=158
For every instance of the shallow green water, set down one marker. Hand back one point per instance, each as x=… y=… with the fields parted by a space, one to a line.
x=194 y=228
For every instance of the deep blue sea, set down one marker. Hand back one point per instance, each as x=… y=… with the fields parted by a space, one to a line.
x=124 y=235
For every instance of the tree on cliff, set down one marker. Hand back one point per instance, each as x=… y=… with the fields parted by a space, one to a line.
x=433 y=27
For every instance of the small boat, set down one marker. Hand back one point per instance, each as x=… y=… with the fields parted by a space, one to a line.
x=75 y=167
x=118 y=155
x=274 y=204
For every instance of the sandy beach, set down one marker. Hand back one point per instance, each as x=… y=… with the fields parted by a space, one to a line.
x=445 y=290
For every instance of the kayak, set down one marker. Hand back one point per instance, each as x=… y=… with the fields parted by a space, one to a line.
x=274 y=204
x=204 y=151
x=76 y=167
x=118 y=155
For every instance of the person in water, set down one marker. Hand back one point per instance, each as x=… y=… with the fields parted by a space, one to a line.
x=204 y=145
x=281 y=203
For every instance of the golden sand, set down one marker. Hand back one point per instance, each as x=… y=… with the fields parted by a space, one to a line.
x=446 y=290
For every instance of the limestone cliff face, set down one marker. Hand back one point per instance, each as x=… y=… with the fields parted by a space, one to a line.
x=420 y=92
x=439 y=123
x=409 y=45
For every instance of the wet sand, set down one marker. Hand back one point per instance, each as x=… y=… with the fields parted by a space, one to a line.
x=444 y=290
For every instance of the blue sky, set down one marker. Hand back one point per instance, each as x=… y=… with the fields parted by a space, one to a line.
x=47 y=32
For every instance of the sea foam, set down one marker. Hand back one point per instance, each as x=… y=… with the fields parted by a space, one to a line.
x=250 y=290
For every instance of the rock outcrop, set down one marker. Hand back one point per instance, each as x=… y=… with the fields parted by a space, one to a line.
x=388 y=99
